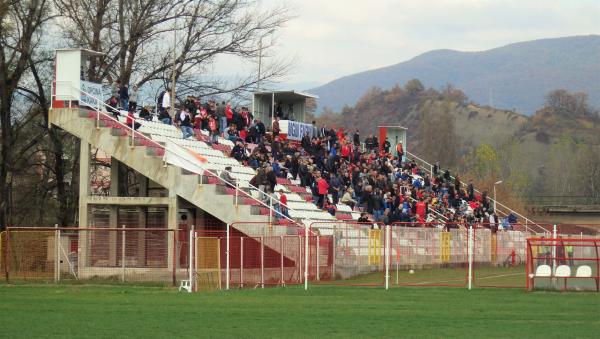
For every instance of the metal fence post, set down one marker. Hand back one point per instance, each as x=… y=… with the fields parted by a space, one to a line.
x=270 y=211
x=132 y=132
x=56 y=254
x=123 y=255
x=7 y=256
x=554 y=243
x=191 y=259
x=281 y=258
x=305 y=258
x=262 y=262
x=387 y=257
x=317 y=258
x=241 y=262
x=237 y=189
x=98 y=114
x=227 y=260
x=470 y=256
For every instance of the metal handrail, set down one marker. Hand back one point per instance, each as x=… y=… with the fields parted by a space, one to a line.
x=527 y=220
x=270 y=206
x=431 y=210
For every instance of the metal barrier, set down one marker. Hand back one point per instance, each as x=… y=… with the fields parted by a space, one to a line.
x=99 y=255
x=347 y=253
x=263 y=254
x=250 y=254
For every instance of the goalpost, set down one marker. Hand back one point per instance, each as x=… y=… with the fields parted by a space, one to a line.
x=564 y=264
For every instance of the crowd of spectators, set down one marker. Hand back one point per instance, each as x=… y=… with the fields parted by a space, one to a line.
x=374 y=178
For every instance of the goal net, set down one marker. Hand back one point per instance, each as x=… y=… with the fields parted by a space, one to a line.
x=564 y=264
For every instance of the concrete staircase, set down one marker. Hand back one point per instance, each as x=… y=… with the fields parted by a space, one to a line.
x=146 y=158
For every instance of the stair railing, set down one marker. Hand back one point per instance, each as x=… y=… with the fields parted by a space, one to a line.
x=510 y=210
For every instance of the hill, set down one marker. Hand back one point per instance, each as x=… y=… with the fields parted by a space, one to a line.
x=556 y=151
x=514 y=77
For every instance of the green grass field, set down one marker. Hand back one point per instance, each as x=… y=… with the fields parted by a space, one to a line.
x=31 y=311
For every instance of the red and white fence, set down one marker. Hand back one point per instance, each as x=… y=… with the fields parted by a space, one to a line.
x=257 y=255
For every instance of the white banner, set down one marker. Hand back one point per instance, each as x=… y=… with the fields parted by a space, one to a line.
x=93 y=92
x=296 y=130
x=183 y=157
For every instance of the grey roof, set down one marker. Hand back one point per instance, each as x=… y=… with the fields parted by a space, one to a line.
x=287 y=94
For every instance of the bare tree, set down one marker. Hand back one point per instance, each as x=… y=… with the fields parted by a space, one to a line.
x=138 y=38
x=20 y=35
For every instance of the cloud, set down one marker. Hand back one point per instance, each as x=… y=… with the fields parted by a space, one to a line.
x=335 y=38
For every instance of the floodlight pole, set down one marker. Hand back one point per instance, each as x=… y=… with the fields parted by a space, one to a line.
x=260 y=48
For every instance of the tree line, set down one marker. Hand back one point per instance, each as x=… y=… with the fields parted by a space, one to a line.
x=562 y=160
x=39 y=164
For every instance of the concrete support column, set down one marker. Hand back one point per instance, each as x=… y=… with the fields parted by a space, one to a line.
x=114 y=177
x=84 y=193
x=172 y=213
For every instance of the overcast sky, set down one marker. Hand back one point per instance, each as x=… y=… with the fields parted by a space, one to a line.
x=334 y=38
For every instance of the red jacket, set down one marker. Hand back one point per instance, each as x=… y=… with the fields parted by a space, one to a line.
x=228 y=113
x=421 y=209
x=323 y=186
x=130 y=119
x=345 y=151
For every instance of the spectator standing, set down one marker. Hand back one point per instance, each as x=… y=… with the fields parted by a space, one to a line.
x=115 y=87
x=221 y=116
x=213 y=125
x=166 y=101
x=323 y=188
x=133 y=96
x=276 y=129
x=400 y=151
x=185 y=123
x=124 y=97
x=386 y=146
x=281 y=207
x=356 y=138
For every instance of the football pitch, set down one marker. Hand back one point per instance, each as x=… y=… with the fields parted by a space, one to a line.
x=80 y=311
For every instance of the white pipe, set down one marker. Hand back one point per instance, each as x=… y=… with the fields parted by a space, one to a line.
x=123 y=255
x=470 y=241
x=262 y=262
x=241 y=262
x=98 y=114
x=237 y=190
x=387 y=257
x=554 y=243
x=56 y=254
x=317 y=258
x=227 y=261
x=281 y=258
x=270 y=211
x=191 y=259
x=305 y=258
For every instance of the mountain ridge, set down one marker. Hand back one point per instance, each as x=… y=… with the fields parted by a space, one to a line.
x=515 y=76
